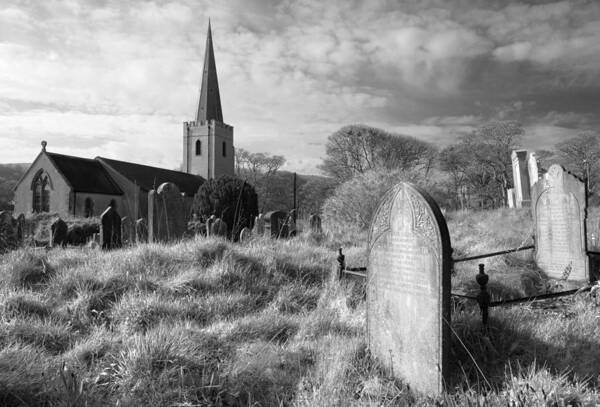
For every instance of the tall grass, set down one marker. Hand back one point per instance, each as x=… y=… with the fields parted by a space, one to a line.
x=207 y=322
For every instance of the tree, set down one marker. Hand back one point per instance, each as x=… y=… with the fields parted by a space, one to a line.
x=229 y=198
x=480 y=163
x=574 y=154
x=356 y=149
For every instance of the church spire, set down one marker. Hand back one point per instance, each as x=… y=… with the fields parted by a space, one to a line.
x=209 y=106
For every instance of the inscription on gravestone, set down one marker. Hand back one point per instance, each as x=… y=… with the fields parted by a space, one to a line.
x=408 y=288
x=559 y=215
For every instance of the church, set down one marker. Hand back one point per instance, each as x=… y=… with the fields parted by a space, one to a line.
x=76 y=186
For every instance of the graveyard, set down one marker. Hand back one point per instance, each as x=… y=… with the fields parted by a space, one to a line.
x=269 y=321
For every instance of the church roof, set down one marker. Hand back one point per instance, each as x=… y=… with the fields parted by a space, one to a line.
x=148 y=177
x=84 y=174
x=209 y=106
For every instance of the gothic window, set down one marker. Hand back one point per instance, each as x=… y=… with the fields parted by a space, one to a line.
x=89 y=208
x=41 y=187
x=224 y=149
x=198 y=147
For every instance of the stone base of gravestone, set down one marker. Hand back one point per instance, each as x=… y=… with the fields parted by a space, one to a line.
x=408 y=289
x=559 y=211
x=110 y=229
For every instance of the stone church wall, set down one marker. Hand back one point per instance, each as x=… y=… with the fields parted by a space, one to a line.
x=59 y=190
x=100 y=201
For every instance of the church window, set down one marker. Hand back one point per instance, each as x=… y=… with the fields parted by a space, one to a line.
x=198 y=147
x=89 y=208
x=41 y=193
x=224 y=149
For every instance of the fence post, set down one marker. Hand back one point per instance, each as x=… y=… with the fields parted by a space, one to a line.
x=341 y=263
x=483 y=298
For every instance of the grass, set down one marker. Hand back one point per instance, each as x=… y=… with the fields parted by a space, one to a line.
x=207 y=322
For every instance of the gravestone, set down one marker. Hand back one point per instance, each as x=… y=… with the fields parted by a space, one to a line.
x=510 y=197
x=245 y=235
x=259 y=225
x=315 y=223
x=58 y=235
x=532 y=168
x=21 y=232
x=209 y=223
x=291 y=223
x=126 y=231
x=167 y=218
x=218 y=228
x=559 y=217
x=110 y=229
x=408 y=288
x=275 y=224
x=521 y=181
x=141 y=230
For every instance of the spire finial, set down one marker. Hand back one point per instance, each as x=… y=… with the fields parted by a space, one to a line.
x=44 y=144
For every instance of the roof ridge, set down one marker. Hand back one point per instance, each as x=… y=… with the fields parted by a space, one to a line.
x=145 y=165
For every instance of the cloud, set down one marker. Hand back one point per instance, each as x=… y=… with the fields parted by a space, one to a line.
x=119 y=78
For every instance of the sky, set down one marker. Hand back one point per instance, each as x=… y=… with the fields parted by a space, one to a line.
x=118 y=78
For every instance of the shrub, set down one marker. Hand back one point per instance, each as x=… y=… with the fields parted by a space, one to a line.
x=228 y=198
x=354 y=202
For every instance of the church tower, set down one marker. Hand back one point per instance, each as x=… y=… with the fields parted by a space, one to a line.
x=208 y=141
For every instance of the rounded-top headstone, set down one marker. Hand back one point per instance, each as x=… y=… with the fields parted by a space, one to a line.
x=408 y=288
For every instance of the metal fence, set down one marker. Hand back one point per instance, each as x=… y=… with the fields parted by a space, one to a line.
x=483 y=298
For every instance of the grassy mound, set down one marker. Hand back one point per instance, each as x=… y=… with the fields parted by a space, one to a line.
x=207 y=322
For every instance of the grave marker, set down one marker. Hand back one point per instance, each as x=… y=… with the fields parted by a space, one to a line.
x=408 y=288
x=275 y=224
x=167 y=218
x=245 y=235
x=259 y=225
x=110 y=228
x=315 y=223
x=58 y=235
x=559 y=217
x=141 y=230
x=218 y=228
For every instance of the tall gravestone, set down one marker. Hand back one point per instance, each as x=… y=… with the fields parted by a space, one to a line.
x=218 y=228
x=521 y=181
x=110 y=225
x=408 y=288
x=259 y=225
x=166 y=213
x=532 y=168
x=559 y=214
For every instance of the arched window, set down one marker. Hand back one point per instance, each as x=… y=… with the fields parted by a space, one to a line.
x=224 y=149
x=89 y=208
x=40 y=188
x=198 y=147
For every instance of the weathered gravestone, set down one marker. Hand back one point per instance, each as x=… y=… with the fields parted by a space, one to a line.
x=275 y=224
x=21 y=232
x=141 y=230
x=8 y=231
x=291 y=223
x=245 y=235
x=218 y=228
x=408 y=288
x=209 y=223
x=126 y=230
x=58 y=233
x=259 y=225
x=559 y=218
x=315 y=223
x=167 y=218
x=110 y=228
x=510 y=197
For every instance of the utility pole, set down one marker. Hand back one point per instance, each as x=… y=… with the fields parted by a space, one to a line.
x=295 y=202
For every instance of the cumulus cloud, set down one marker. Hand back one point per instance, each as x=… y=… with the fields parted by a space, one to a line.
x=118 y=78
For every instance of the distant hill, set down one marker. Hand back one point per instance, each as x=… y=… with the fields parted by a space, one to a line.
x=9 y=176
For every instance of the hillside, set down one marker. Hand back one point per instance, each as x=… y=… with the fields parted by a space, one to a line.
x=9 y=176
x=208 y=322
